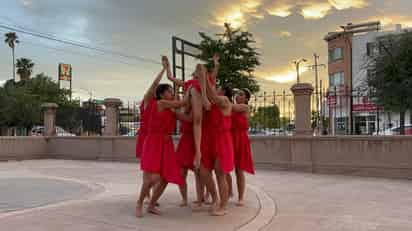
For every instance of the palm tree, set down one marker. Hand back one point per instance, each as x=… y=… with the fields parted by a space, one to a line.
x=24 y=68
x=12 y=40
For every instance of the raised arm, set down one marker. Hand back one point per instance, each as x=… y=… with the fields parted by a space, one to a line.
x=177 y=82
x=203 y=82
x=174 y=104
x=150 y=92
x=216 y=63
x=240 y=108
x=221 y=101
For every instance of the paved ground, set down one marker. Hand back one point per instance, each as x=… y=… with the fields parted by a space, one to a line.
x=76 y=195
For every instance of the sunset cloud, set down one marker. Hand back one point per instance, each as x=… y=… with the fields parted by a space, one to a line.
x=347 y=4
x=392 y=20
x=316 y=10
x=280 y=9
x=285 y=34
x=313 y=9
x=238 y=14
x=282 y=75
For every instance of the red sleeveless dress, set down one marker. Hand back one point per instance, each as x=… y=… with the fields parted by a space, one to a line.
x=142 y=133
x=158 y=154
x=217 y=142
x=241 y=143
x=185 y=151
x=196 y=84
x=186 y=147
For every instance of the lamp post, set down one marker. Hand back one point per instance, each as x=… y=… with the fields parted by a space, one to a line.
x=297 y=64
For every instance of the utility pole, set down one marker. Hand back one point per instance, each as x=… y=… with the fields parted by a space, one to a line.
x=315 y=68
x=284 y=110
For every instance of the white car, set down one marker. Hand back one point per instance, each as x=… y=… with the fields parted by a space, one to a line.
x=39 y=131
x=395 y=131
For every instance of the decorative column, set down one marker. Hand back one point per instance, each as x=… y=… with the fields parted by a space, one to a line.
x=49 y=122
x=302 y=94
x=111 y=127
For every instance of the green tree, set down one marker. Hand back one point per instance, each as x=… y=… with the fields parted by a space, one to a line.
x=266 y=117
x=238 y=58
x=24 y=68
x=11 y=40
x=390 y=74
x=21 y=102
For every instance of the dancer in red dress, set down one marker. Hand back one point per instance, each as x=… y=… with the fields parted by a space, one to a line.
x=189 y=148
x=217 y=146
x=241 y=142
x=158 y=160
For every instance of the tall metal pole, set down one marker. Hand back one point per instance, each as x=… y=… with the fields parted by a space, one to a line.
x=264 y=111
x=284 y=109
x=316 y=57
x=321 y=109
x=297 y=72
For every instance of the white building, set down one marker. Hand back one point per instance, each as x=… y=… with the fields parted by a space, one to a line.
x=349 y=51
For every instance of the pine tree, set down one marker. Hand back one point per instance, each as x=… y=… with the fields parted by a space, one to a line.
x=238 y=57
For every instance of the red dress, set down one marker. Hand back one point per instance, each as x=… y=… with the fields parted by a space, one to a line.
x=217 y=143
x=186 y=148
x=142 y=133
x=241 y=143
x=158 y=154
x=196 y=84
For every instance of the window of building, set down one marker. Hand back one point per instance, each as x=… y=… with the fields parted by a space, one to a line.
x=336 y=79
x=335 y=54
x=371 y=49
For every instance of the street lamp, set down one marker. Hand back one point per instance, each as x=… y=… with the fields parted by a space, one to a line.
x=297 y=64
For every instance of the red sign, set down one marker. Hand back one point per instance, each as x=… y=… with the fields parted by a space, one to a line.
x=366 y=107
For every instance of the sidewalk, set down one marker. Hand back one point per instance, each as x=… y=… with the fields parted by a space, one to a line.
x=80 y=195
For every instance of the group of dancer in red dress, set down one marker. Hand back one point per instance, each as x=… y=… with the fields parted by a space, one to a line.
x=214 y=138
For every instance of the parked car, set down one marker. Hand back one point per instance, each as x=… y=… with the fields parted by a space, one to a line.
x=39 y=131
x=395 y=131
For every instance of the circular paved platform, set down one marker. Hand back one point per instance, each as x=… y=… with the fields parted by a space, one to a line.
x=78 y=195
x=25 y=193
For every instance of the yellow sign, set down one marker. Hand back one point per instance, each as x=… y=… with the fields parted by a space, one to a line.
x=65 y=72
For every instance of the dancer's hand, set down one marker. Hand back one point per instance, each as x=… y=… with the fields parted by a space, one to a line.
x=216 y=58
x=206 y=104
x=165 y=62
x=196 y=162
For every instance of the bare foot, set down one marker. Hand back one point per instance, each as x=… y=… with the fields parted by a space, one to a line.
x=207 y=200
x=196 y=205
x=154 y=210
x=183 y=204
x=213 y=207
x=218 y=212
x=240 y=203
x=139 y=211
x=148 y=202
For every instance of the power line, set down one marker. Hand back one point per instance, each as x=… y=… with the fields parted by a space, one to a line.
x=54 y=38
x=77 y=44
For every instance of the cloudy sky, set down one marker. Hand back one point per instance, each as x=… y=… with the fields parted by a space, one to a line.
x=284 y=30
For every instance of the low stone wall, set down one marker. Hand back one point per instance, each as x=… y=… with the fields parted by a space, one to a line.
x=366 y=156
x=22 y=148
x=114 y=148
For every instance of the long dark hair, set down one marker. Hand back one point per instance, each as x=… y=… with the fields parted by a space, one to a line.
x=161 y=88
x=247 y=94
x=228 y=92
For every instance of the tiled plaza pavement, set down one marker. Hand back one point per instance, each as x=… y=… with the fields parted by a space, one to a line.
x=80 y=195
